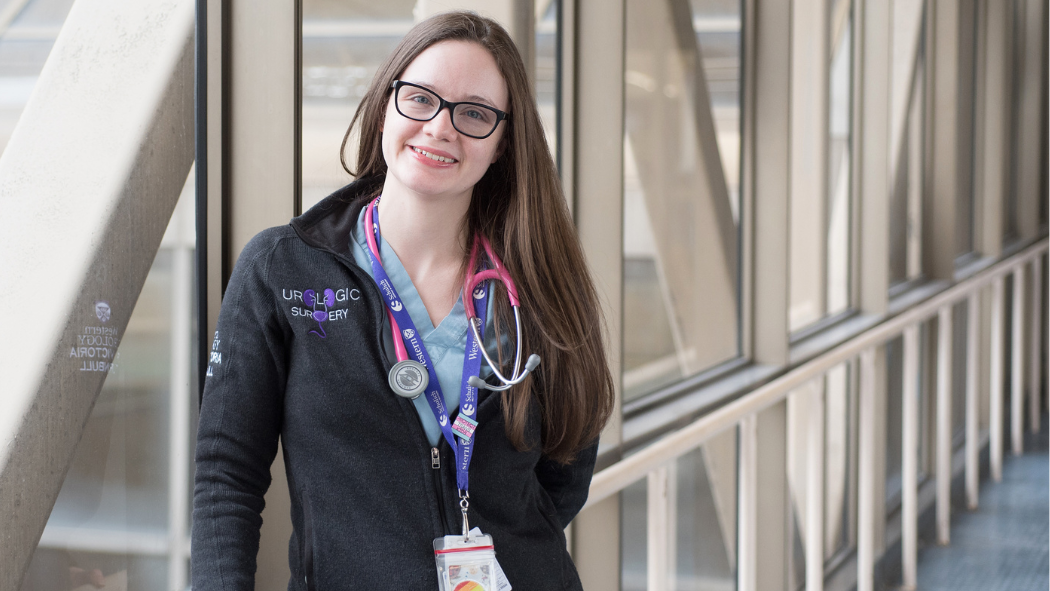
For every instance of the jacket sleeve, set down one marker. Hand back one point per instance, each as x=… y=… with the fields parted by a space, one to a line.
x=240 y=421
x=568 y=485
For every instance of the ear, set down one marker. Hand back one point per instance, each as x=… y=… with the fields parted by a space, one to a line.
x=500 y=149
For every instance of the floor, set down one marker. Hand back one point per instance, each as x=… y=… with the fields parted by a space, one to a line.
x=1003 y=545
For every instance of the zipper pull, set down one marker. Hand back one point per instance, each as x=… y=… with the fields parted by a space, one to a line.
x=435 y=458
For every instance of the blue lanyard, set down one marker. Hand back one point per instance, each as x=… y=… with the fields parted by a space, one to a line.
x=468 y=395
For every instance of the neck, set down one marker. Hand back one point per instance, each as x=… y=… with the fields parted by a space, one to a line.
x=429 y=237
x=425 y=233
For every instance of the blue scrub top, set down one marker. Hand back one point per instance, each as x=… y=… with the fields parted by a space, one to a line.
x=446 y=343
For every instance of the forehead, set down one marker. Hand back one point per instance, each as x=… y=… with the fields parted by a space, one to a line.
x=458 y=71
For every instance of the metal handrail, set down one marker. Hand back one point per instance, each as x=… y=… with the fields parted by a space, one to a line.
x=631 y=469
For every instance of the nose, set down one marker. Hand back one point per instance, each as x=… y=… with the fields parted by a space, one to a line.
x=440 y=127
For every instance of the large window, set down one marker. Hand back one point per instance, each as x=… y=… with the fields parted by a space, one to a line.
x=680 y=268
x=835 y=396
x=907 y=141
x=343 y=45
x=821 y=208
x=681 y=190
x=702 y=539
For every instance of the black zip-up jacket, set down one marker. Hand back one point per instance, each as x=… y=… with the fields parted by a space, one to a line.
x=368 y=492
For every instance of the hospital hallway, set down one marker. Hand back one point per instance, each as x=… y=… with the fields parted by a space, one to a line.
x=1003 y=544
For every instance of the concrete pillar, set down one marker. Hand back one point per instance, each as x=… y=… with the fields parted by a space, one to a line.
x=80 y=237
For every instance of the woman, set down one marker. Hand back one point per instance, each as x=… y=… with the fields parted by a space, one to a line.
x=450 y=138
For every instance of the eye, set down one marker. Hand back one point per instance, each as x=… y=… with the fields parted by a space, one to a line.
x=477 y=113
x=422 y=99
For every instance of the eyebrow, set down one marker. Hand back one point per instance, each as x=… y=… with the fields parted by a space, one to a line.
x=472 y=98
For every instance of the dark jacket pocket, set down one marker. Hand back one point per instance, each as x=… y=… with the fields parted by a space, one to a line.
x=549 y=511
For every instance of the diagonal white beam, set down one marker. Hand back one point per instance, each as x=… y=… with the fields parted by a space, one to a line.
x=87 y=185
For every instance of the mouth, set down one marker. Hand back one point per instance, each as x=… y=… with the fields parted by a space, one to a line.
x=434 y=157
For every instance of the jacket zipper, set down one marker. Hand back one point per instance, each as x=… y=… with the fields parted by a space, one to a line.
x=435 y=452
x=435 y=468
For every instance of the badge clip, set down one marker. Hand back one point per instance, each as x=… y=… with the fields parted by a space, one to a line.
x=464 y=504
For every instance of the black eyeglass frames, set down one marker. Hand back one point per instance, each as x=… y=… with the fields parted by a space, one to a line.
x=422 y=104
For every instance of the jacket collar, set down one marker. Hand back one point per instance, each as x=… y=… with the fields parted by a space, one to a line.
x=328 y=224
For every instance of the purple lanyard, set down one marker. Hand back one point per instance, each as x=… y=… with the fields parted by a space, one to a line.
x=468 y=395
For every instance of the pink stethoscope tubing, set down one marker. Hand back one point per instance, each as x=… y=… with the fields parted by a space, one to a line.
x=370 y=236
x=470 y=282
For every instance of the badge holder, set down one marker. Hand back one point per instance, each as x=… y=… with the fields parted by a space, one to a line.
x=465 y=565
x=467 y=562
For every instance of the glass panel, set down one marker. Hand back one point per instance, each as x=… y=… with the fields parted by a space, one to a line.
x=546 y=68
x=706 y=517
x=61 y=570
x=634 y=524
x=703 y=529
x=343 y=45
x=1011 y=225
x=907 y=149
x=838 y=389
x=959 y=335
x=927 y=396
x=798 y=407
x=681 y=190
x=964 y=216
x=24 y=47
x=839 y=459
x=820 y=224
x=926 y=385
x=894 y=418
x=114 y=521
x=839 y=157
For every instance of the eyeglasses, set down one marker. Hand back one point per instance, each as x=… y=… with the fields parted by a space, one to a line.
x=420 y=104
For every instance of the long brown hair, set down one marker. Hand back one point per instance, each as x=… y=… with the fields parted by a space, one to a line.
x=523 y=213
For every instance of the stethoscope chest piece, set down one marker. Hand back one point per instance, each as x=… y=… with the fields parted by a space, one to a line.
x=408 y=378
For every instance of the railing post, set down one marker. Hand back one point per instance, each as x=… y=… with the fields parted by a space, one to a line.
x=866 y=475
x=1035 y=386
x=772 y=500
x=1017 y=364
x=995 y=411
x=973 y=443
x=747 y=529
x=661 y=533
x=910 y=457
x=944 y=423
x=815 y=490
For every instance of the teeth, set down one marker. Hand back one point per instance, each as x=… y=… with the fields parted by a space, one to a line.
x=433 y=156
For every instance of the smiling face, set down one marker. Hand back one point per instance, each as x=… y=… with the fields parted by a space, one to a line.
x=431 y=158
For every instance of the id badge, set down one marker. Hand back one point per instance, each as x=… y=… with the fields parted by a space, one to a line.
x=466 y=564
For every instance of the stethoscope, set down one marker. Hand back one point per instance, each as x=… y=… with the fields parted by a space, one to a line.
x=408 y=377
